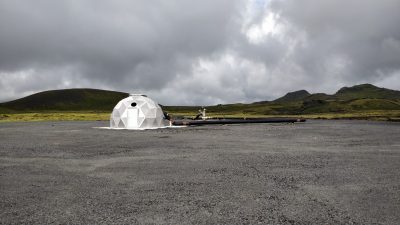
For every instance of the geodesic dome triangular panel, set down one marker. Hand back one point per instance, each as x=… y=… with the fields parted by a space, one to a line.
x=137 y=112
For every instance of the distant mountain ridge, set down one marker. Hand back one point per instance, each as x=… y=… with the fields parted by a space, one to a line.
x=363 y=97
x=361 y=91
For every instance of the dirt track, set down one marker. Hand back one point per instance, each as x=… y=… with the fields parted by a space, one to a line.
x=319 y=172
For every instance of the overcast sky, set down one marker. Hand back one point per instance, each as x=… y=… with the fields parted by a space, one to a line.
x=183 y=52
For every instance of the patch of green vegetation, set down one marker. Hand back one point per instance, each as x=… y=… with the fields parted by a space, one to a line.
x=54 y=116
x=374 y=104
x=384 y=115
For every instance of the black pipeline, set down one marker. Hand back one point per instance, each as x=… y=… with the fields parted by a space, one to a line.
x=234 y=121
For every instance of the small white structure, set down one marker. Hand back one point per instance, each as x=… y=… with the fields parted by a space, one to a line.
x=137 y=112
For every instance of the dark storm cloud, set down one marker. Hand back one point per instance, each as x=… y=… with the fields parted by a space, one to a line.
x=121 y=44
x=207 y=52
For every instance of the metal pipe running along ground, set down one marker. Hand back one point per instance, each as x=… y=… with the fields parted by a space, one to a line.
x=234 y=121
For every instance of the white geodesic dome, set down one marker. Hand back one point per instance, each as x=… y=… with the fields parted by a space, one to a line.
x=137 y=112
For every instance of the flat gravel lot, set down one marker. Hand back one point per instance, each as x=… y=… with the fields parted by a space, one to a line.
x=318 y=172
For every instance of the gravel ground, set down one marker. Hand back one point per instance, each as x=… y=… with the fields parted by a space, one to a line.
x=318 y=172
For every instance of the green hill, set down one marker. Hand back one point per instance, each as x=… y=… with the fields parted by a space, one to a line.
x=360 y=98
x=66 y=100
x=293 y=96
x=363 y=91
x=364 y=97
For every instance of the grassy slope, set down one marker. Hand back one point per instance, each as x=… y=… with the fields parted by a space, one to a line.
x=361 y=101
x=66 y=100
x=293 y=96
x=366 y=91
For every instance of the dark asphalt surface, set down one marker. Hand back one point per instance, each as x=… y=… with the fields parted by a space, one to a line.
x=319 y=172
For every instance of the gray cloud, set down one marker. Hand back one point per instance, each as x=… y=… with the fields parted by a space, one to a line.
x=347 y=41
x=207 y=52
